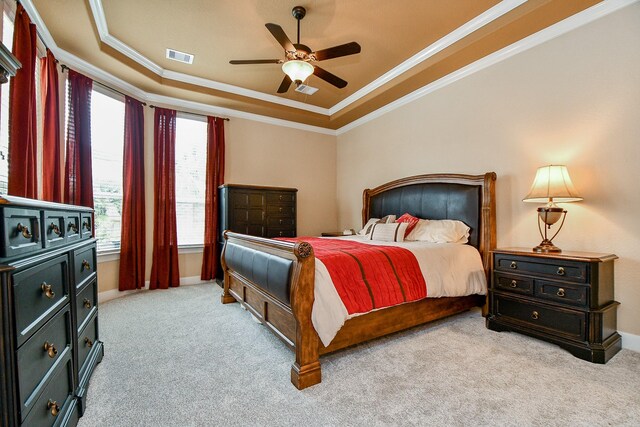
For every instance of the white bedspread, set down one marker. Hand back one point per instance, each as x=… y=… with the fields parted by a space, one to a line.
x=449 y=269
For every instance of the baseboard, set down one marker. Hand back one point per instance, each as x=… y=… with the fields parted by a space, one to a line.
x=630 y=341
x=105 y=296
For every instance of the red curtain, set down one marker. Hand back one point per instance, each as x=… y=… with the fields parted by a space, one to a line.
x=78 y=175
x=164 y=267
x=23 y=174
x=215 y=178
x=132 y=239
x=51 y=148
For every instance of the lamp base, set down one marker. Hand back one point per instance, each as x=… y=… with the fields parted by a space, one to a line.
x=546 y=246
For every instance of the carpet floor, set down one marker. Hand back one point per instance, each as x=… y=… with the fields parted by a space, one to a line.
x=180 y=358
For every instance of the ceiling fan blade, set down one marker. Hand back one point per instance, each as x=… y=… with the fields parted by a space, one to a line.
x=284 y=86
x=337 y=51
x=255 y=61
x=328 y=77
x=277 y=32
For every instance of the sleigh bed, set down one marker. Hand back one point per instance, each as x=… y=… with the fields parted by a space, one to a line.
x=274 y=279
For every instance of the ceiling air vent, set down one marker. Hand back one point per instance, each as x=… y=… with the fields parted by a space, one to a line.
x=187 y=58
x=307 y=90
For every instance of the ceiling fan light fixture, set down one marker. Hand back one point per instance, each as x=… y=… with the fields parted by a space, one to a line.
x=297 y=70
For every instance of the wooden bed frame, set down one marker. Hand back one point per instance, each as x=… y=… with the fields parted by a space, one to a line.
x=291 y=320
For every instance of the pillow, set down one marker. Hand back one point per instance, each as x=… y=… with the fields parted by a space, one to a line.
x=442 y=231
x=411 y=222
x=392 y=232
x=369 y=225
x=416 y=230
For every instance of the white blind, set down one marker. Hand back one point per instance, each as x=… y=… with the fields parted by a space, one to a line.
x=191 y=163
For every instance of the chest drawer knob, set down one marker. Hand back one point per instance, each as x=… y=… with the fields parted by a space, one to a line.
x=72 y=226
x=85 y=225
x=85 y=265
x=55 y=228
x=560 y=292
x=24 y=230
x=86 y=303
x=51 y=349
x=53 y=407
x=560 y=271
x=47 y=290
x=513 y=265
x=535 y=315
x=88 y=342
x=514 y=284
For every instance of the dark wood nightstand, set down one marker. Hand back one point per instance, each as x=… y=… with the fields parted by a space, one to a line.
x=565 y=298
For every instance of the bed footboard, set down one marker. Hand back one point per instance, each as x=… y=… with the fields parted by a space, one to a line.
x=274 y=280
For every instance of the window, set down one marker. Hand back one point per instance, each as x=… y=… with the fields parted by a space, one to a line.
x=191 y=163
x=107 y=143
x=7 y=40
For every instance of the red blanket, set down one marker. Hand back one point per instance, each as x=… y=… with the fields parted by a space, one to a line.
x=368 y=277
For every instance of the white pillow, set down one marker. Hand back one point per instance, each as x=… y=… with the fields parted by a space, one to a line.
x=392 y=232
x=416 y=230
x=369 y=225
x=441 y=231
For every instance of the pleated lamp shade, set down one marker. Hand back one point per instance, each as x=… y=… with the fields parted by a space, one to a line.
x=552 y=184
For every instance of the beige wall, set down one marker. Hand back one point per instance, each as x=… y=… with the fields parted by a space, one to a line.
x=259 y=154
x=574 y=100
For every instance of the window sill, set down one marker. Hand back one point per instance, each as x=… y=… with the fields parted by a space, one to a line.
x=114 y=254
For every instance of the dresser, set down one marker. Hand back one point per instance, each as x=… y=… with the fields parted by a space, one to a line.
x=49 y=343
x=564 y=298
x=257 y=211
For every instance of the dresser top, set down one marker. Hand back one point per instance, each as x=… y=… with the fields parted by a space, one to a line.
x=6 y=200
x=570 y=255
x=257 y=187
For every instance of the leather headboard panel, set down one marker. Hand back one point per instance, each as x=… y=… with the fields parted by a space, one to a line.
x=433 y=201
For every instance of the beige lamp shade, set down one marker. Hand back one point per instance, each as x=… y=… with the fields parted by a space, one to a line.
x=552 y=184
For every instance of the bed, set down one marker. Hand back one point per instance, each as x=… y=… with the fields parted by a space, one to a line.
x=275 y=280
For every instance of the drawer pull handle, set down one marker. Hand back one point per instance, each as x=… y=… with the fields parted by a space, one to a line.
x=55 y=228
x=73 y=227
x=513 y=265
x=53 y=406
x=535 y=315
x=24 y=230
x=560 y=271
x=514 y=284
x=51 y=349
x=280 y=197
x=560 y=292
x=85 y=265
x=85 y=224
x=86 y=303
x=46 y=289
x=88 y=342
x=280 y=209
x=281 y=234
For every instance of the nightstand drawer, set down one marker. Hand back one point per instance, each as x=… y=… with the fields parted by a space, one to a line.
x=555 y=321
x=562 y=292
x=510 y=283
x=567 y=270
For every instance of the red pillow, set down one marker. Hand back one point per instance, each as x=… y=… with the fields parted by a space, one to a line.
x=411 y=220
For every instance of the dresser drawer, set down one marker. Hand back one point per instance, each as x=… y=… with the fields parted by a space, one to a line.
x=86 y=225
x=519 y=284
x=21 y=232
x=40 y=354
x=565 y=269
x=281 y=211
x=53 y=404
x=281 y=232
x=84 y=264
x=281 y=198
x=562 y=292
x=38 y=293
x=86 y=340
x=247 y=199
x=86 y=304
x=72 y=221
x=54 y=228
x=557 y=321
x=281 y=222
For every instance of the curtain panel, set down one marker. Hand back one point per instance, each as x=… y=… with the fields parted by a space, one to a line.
x=214 y=178
x=51 y=145
x=23 y=174
x=132 y=238
x=78 y=172
x=164 y=266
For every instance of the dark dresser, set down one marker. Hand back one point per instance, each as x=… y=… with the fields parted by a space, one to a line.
x=565 y=298
x=257 y=211
x=49 y=343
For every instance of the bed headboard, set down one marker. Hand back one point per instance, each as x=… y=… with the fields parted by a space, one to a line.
x=468 y=198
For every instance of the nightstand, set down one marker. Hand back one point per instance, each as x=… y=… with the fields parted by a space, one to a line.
x=564 y=298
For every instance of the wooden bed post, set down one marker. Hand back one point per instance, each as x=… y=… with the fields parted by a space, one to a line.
x=306 y=371
x=226 y=297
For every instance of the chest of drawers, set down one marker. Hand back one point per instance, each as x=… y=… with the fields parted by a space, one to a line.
x=49 y=342
x=565 y=298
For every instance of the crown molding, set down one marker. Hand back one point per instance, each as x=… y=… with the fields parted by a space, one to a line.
x=571 y=23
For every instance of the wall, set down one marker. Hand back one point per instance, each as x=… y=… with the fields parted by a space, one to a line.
x=574 y=100
x=260 y=154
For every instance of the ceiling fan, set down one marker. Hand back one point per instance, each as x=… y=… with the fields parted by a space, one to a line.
x=298 y=57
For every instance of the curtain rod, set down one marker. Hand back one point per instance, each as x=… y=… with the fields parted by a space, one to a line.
x=65 y=67
x=195 y=114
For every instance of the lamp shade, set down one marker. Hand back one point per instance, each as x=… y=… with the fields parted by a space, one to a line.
x=552 y=183
x=297 y=70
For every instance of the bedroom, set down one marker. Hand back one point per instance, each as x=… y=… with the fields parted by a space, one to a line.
x=571 y=99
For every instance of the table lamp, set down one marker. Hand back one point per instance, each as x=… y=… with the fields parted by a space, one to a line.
x=552 y=184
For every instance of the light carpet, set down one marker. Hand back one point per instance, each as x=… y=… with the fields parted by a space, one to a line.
x=179 y=357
